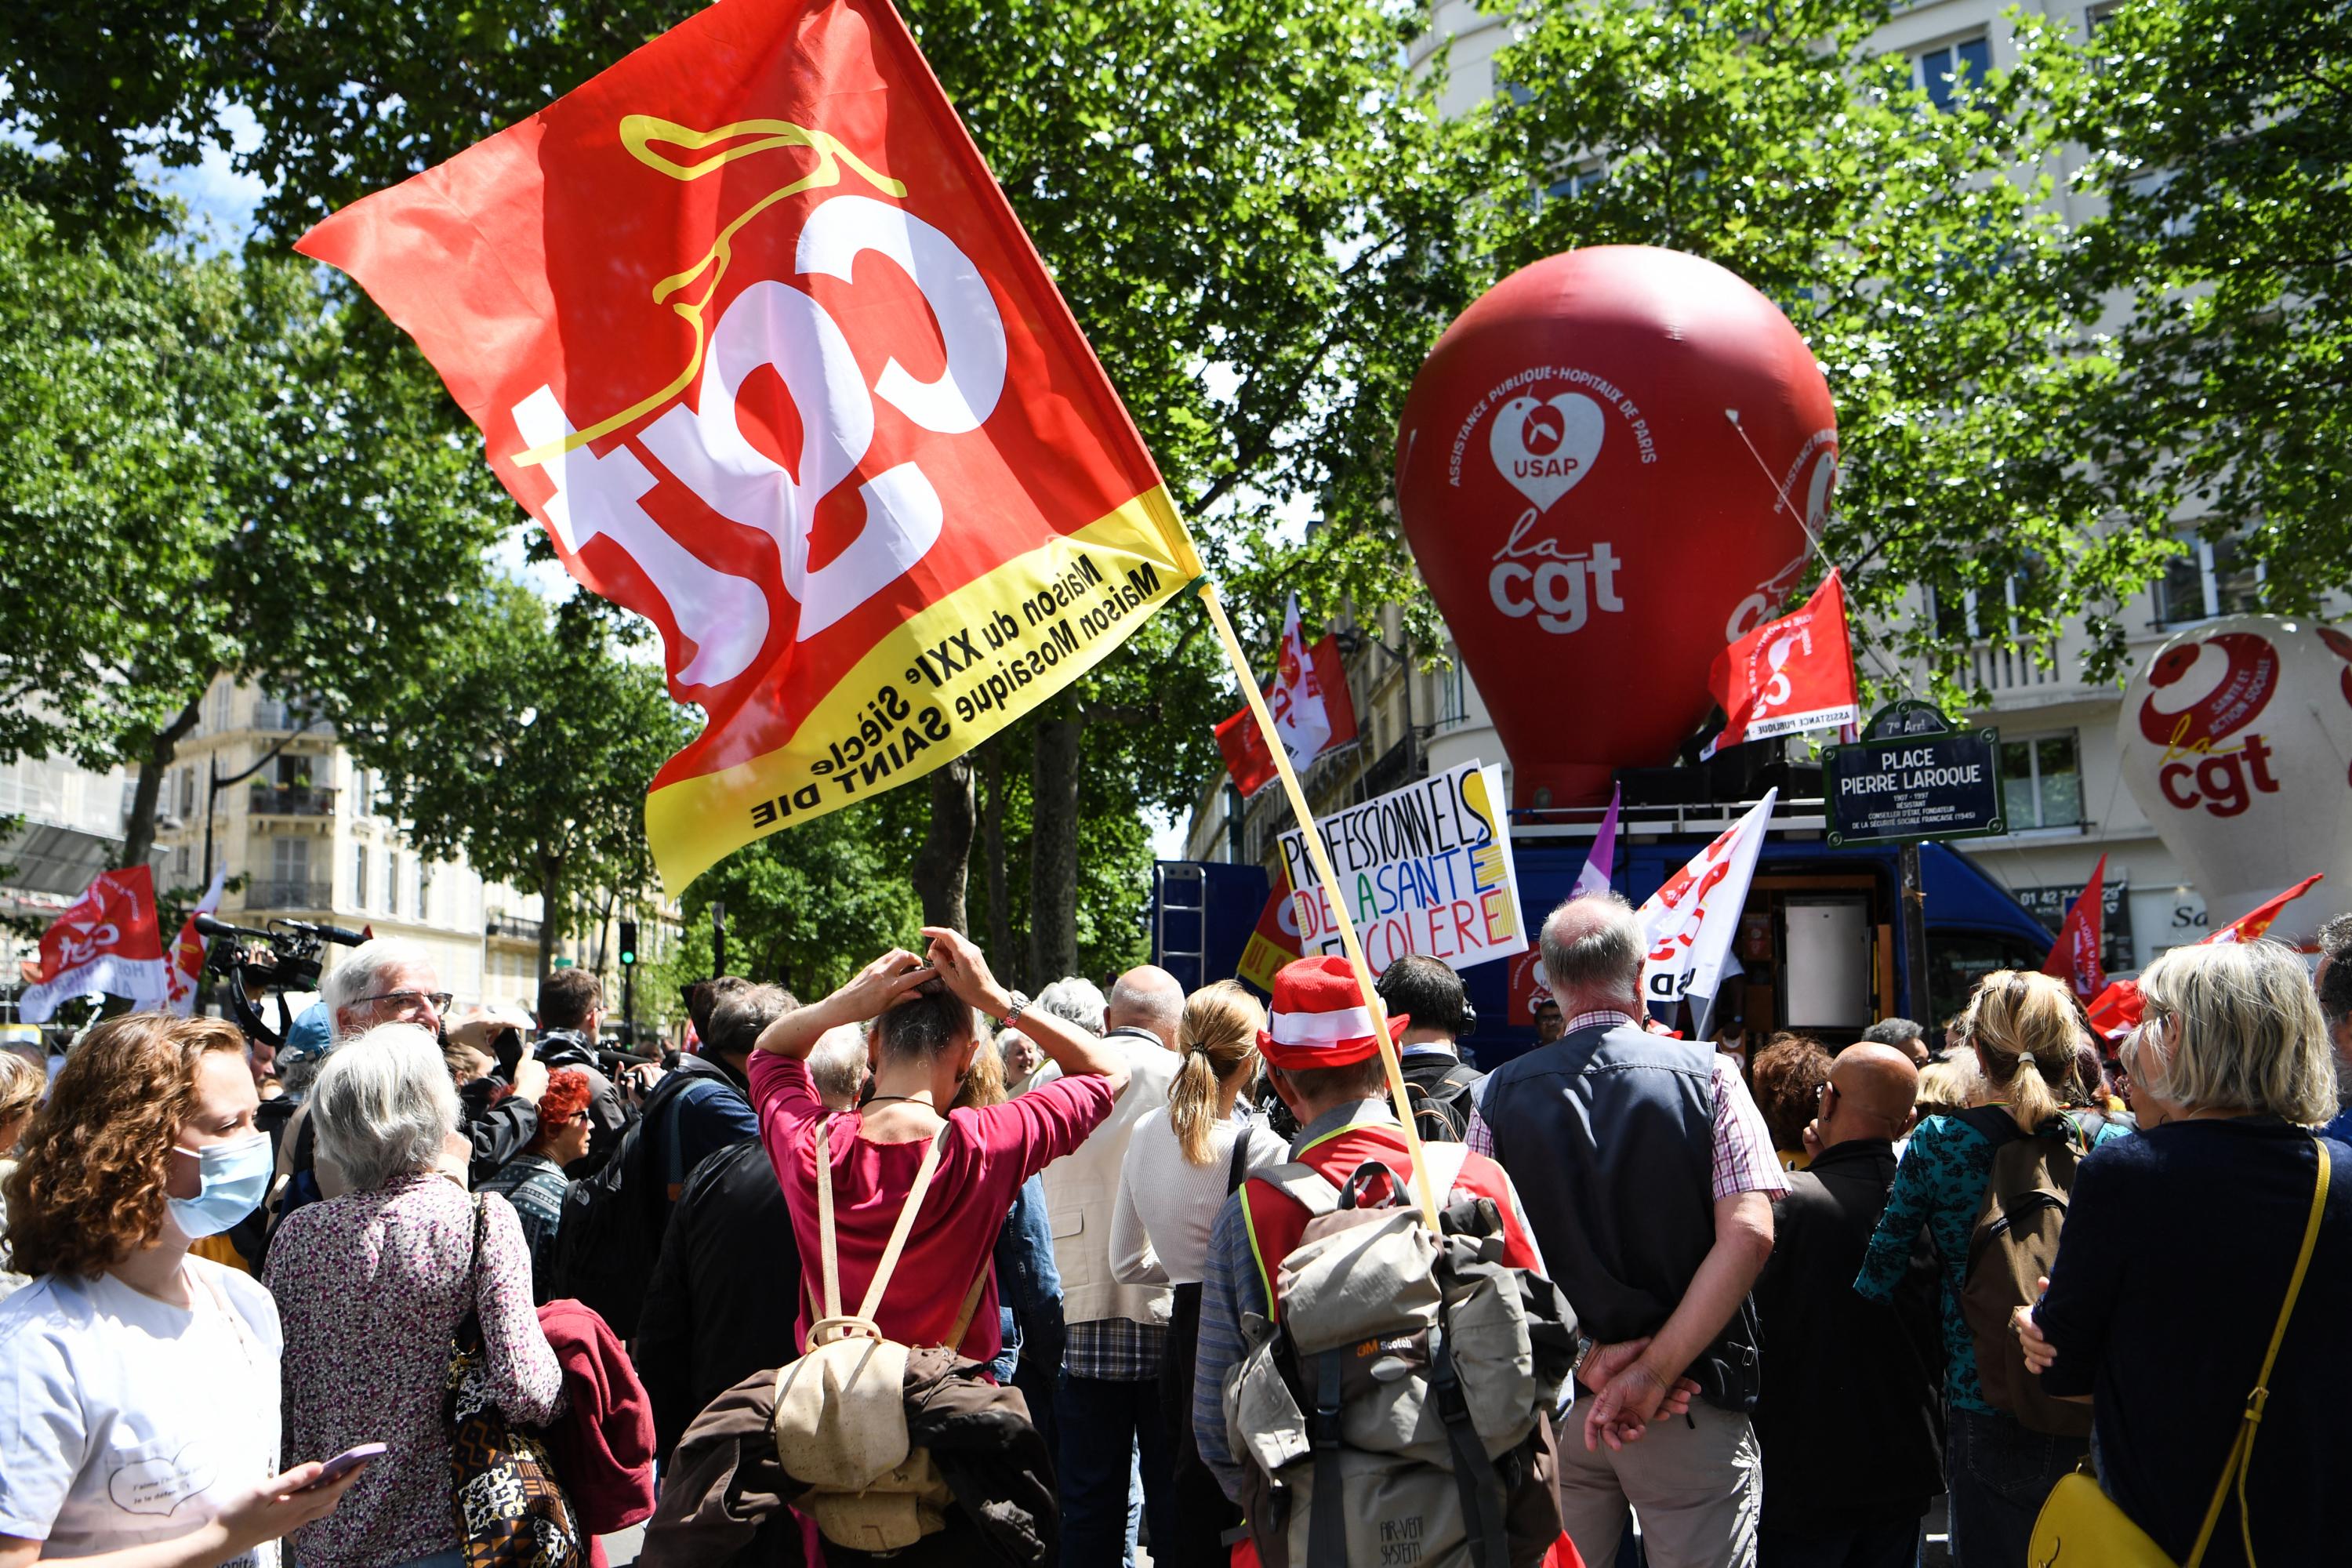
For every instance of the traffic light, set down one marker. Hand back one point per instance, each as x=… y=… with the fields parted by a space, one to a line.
x=628 y=942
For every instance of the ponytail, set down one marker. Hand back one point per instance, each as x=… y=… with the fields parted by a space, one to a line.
x=2025 y=1029
x=1218 y=1041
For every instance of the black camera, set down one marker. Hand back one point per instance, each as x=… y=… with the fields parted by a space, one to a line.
x=281 y=957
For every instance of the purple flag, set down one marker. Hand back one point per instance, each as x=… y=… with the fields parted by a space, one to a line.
x=1594 y=878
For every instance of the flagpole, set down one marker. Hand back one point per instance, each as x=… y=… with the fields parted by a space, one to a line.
x=1281 y=754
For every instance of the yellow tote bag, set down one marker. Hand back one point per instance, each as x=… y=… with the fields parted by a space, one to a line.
x=2081 y=1527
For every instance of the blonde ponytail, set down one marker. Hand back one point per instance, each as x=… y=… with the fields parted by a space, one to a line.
x=1218 y=1041
x=2025 y=1029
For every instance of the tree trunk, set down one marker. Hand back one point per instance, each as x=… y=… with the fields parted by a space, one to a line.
x=1054 y=842
x=992 y=833
x=941 y=863
x=550 y=890
x=139 y=828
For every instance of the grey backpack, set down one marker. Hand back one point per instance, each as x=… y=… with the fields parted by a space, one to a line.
x=1401 y=1410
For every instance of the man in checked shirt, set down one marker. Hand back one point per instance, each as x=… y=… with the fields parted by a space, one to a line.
x=1647 y=1176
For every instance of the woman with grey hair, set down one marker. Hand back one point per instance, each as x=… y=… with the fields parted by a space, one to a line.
x=2174 y=1273
x=371 y=1285
x=1076 y=1000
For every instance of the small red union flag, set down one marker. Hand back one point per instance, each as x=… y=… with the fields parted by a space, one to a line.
x=1788 y=675
x=1243 y=744
x=2076 y=957
x=748 y=325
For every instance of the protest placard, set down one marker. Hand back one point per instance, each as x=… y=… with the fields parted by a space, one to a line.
x=1425 y=869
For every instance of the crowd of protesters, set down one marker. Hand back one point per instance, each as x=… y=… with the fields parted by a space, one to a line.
x=1763 y=1308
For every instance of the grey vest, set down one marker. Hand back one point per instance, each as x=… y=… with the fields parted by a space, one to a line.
x=1609 y=1136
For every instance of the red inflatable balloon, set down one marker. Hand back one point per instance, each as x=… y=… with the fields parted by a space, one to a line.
x=1575 y=485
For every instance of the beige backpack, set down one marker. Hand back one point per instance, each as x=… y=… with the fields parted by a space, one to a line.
x=840 y=1425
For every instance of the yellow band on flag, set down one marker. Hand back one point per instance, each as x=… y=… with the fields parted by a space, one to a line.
x=952 y=674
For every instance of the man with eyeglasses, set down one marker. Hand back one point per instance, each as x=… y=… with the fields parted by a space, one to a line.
x=394 y=980
x=1848 y=1415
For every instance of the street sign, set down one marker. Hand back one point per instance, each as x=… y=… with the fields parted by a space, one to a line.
x=1908 y=717
x=1919 y=786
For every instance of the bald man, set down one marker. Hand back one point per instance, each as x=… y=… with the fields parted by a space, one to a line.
x=1848 y=1421
x=1149 y=1001
x=1107 y=1402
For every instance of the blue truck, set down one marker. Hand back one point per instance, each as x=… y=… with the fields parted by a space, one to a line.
x=1819 y=948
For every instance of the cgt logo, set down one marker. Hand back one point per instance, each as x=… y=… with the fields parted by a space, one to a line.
x=1559 y=587
x=2223 y=782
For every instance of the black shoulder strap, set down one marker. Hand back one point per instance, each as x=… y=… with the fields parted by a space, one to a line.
x=470 y=1325
x=1474 y=1472
x=1992 y=1120
x=1327 y=1526
x=1237 y=1171
x=1460 y=1076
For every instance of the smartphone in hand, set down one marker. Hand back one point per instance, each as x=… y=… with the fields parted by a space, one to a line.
x=344 y=1463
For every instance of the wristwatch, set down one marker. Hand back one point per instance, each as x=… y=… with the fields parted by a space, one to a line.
x=1020 y=1004
x=1585 y=1345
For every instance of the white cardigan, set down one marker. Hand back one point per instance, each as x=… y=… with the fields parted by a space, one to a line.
x=1082 y=1189
x=1168 y=1206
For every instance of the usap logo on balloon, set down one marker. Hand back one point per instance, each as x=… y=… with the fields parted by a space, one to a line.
x=1545 y=442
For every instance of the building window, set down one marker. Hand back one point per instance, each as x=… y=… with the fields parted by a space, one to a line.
x=359 y=875
x=217 y=703
x=2213 y=578
x=1954 y=615
x=289 y=872
x=1952 y=68
x=1578 y=182
x=2042 y=782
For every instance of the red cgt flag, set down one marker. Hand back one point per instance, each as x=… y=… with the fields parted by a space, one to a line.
x=2118 y=1006
x=749 y=328
x=1246 y=758
x=1789 y=675
x=2074 y=957
x=107 y=940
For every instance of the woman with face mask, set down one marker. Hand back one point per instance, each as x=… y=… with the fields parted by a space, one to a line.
x=138 y=1384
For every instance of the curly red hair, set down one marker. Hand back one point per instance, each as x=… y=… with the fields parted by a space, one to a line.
x=567 y=1093
x=89 y=1192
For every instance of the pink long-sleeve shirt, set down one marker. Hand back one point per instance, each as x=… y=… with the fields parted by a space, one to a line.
x=988 y=1153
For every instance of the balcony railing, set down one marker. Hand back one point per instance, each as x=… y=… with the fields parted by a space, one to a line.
x=291 y=800
x=304 y=895
x=270 y=714
x=2008 y=667
x=511 y=926
x=1398 y=766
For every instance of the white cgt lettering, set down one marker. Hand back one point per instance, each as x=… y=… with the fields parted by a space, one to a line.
x=1554 y=591
x=725 y=617
x=775 y=324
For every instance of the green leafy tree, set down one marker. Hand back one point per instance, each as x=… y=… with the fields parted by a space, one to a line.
x=1250 y=205
x=200 y=477
x=525 y=746
x=2221 y=135
x=1916 y=249
x=807 y=909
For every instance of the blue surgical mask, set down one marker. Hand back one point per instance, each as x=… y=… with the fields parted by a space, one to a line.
x=233 y=1179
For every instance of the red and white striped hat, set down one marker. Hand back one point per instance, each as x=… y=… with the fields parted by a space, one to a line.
x=1320 y=1017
